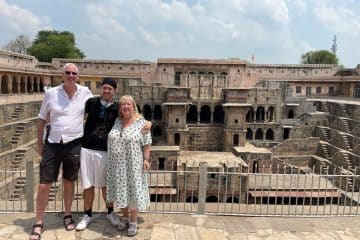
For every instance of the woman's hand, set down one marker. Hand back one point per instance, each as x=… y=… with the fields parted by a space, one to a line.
x=146 y=165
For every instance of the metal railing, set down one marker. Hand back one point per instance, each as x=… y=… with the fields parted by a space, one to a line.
x=195 y=190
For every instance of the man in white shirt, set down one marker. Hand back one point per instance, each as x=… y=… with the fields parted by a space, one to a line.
x=63 y=107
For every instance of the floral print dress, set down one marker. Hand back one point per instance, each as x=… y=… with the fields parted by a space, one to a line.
x=126 y=180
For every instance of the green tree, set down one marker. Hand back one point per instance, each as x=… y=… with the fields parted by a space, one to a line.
x=54 y=44
x=20 y=44
x=319 y=57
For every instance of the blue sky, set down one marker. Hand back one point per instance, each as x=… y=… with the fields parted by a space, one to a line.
x=275 y=31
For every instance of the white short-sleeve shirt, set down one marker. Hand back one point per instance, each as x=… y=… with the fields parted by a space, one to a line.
x=66 y=116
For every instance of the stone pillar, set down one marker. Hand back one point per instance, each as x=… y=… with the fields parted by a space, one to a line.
x=198 y=109
x=29 y=188
x=254 y=115
x=265 y=115
x=0 y=83
x=32 y=84
x=202 y=187
x=170 y=138
x=242 y=137
x=264 y=134
x=10 y=79
x=18 y=79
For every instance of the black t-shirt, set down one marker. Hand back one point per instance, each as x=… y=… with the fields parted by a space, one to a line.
x=98 y=123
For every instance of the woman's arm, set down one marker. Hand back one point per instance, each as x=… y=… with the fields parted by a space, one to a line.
x=146 y=151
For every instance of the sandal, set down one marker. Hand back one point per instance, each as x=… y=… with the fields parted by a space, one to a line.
x=33 y=233
x=70 y=225
x=132 y=230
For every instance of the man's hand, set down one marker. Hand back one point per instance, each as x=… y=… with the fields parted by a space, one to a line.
x=146 y=127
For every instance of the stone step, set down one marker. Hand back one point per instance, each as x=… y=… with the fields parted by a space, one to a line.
x=78 y=196
x=19 y=186
x=14 y=197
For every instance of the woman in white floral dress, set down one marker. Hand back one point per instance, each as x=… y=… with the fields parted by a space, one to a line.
x=129 y=154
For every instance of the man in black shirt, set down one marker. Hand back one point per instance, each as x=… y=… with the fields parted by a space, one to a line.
x=101 y=114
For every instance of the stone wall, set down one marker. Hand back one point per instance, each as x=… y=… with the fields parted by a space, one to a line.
x=338 y=124
x=30 y=155
x=337 y=140
x=7 y=131
x=299 y=161
x=354 y=110
x=302 y=132
x=30 y=110
x=205 y=139
x=297 y=146
x=356 y=149
x=16 y=60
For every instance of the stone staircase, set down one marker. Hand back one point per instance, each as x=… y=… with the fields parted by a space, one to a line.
x=347 y=142
x=325 y=149
x=325 y=107
x=326 y=122
x=53 y=190
x=350 y=184
x=16 y=161
x=347 y=161
x=18 y=132
x=324 y=169
x=346 y=124
x=18 y=189
x=18 y=110
x=325 y=132
x=344 y=110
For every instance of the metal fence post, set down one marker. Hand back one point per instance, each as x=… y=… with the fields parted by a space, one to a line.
x=29 y=191
x=202 y=187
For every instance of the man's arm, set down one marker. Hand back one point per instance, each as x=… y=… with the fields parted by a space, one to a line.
x=40 y=134
x=146 y=127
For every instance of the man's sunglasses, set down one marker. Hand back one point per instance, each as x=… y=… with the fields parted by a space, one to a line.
x=69 y=72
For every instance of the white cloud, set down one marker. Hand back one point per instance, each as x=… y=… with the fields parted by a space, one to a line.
x=277 y=31
x=338 y=18
x=103 y=20
x=300 y=6
x=175 y=28
x=16 y=20
x=277 y=10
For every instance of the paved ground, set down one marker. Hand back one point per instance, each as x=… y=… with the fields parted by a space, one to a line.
x=194 y=227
